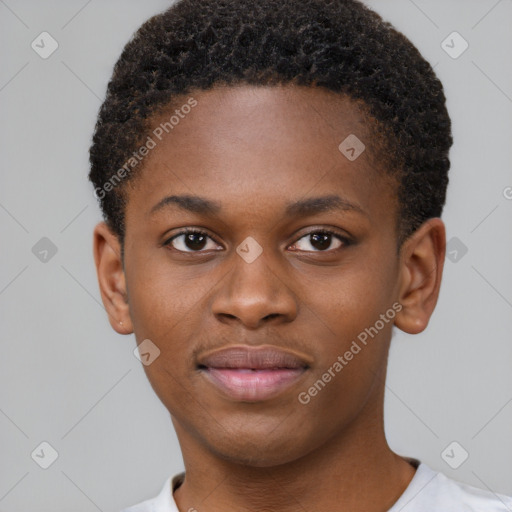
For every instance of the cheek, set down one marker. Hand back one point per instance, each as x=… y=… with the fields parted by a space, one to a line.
x=346 y=302
x=165 y=313
x=350 y=357
x=164 y=298
x=350 y=335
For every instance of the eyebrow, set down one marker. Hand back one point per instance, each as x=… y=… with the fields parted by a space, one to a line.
x=313 y=205
x=301 y=208
x=195 y=204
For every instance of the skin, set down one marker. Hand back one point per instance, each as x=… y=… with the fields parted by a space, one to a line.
x=254 y=150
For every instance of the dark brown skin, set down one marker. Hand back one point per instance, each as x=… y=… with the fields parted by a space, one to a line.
x=254 y=150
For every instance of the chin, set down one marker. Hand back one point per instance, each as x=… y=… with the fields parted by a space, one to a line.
x=257 y=449
x=256 y=457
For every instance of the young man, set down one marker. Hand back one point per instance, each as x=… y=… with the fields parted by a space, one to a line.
x=272 y=175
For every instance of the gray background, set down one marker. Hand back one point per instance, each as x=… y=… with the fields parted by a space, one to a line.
x=66 y=378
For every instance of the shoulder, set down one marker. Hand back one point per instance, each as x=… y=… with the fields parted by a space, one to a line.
x=473 y=498
x=432 y=490
x=164 y=502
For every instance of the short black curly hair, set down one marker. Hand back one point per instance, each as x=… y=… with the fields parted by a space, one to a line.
x=340 y=45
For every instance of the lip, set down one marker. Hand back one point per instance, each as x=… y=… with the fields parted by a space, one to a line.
x=252 y=374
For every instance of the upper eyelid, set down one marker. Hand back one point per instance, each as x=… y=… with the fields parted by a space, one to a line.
x=344 y=239
x=187 y=232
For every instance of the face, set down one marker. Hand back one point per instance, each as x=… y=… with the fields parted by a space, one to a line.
x=248 y=227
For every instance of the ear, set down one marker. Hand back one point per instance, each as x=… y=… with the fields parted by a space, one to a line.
x=111 y=278
x=421 y=261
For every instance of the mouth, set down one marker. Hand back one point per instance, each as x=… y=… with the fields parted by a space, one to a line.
x=252 y=374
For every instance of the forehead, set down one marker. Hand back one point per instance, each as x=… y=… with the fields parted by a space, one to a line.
x=280 y=117
x=255 y=146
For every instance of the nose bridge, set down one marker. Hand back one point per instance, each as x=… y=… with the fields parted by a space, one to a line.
x=252 y=290
x=253 y=277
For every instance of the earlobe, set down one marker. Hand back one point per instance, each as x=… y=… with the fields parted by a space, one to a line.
x=111 y=278
x=421 y=269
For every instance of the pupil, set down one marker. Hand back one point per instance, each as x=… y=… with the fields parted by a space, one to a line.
x=195 y=241
x=321 y=241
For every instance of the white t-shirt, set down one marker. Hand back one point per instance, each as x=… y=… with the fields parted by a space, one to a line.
x=428 y=491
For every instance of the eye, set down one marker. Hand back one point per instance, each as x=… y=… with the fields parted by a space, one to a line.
x=321 y=241
x=191 y=240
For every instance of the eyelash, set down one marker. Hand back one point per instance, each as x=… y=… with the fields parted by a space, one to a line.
x=343 y=239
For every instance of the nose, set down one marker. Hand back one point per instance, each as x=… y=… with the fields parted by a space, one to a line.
x=254 y=294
